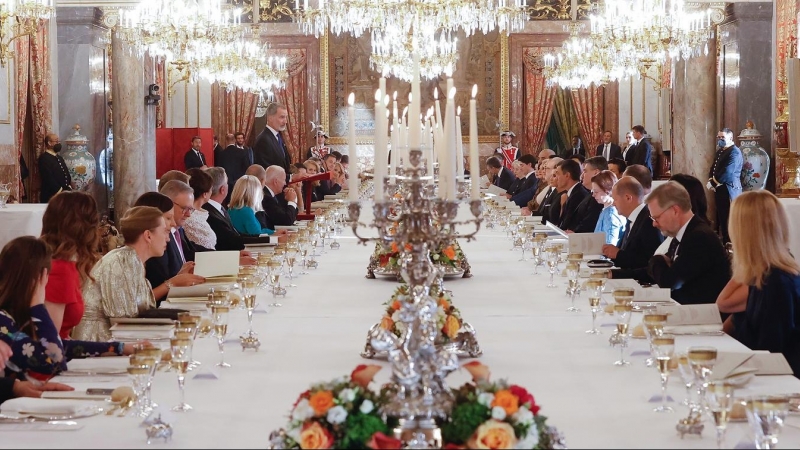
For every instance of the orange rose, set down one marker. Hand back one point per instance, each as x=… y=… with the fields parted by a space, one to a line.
x=363 y=374
x=451 y=326
x=444 y=303
x=506 y=400
x=396 y=305
x=387 y=323
x=314 y=436
x=321 y=401
x=478 y=371
x=409 y=247
x=450 y=252
x=394 y=248
x=493 y=434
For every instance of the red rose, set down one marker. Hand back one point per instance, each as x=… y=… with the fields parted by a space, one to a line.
x=525 y=398
x=305 y=395
x=382 y=441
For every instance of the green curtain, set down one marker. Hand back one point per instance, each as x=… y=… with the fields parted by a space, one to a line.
x=553 y=138
x=565 y=118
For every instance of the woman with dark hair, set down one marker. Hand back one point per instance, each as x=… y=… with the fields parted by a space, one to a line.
x=196 y=226
x=120 y=288
x=25 y=325
x=70 y=230
x=697 y=194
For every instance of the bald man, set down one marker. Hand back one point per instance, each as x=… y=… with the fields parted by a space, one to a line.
x=52 y=169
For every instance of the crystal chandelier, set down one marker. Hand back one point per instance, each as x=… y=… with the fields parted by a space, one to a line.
x=393 y=53
x=20 y=18
x=580 y=63
x=244 y=65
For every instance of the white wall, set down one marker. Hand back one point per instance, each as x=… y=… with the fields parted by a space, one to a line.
x=189 y=105
x=7 y=104
x=641 y=104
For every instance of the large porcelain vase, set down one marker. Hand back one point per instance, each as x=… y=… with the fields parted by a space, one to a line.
x=756 y=160
x=80 y=163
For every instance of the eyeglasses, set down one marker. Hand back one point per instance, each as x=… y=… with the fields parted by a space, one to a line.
x=185 y=209
x=657 y=217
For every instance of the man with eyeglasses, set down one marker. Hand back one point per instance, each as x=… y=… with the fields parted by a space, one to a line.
x=696 y=266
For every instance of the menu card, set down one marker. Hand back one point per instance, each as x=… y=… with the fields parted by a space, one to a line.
x=707 y=314
x=770 y=364
x=652 y=295
x=216 y=264
x=587 y=243
x=730 y=364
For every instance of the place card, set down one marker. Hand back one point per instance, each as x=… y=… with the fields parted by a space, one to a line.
x=652 y=294
x=216 y=264
x=587 y=243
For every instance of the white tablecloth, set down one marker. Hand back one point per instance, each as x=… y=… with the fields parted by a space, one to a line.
x=526 y=334
x=20 y=220
x=792 y=206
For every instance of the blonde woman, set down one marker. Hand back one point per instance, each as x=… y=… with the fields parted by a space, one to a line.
x=770 y=320
x=245 y=202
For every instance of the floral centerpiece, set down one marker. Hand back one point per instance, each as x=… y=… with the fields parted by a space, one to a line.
x=345 y=413
x=448 y=317
x=449 y=256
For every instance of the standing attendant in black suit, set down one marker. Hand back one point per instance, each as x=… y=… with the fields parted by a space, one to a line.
x=235 y=159
x=576 y=148
x=52 y=169
x=194 y=157
x=503 y=178
x=696 y=267
x=725 y=178
x=640 y=239
x=641 y=152
x=608 y=149
x=568 y=175
x=588 y=211
x=270 y=147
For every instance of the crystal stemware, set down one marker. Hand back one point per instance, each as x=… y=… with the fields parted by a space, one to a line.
x=687 y=376
x=702 y=360
x=139 y=373
x=766 y=416
x=551 y=256
x=181 y=358
x=719 y=398
x=5 y=192
x=593 y=290
x=623 y=315
x=573 y=270
x=664 y=347
x=653 y=327
x=219 y=314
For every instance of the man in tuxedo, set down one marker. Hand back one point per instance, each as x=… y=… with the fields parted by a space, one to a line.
x=544 y=172
x=641 y=151
x=235 y=159
x=724 y=178
x=270 y=148
x=194 y=157
x=503 y=178
x=219 y=220
x=696 y=266
x=53 y=169
x=279 y=204
x=608 y=149
x=525 y=187
x=568 y=175
x=642 y=175
x=589 y=210
x=217 y=146
x=576 y=149
x=641 y=238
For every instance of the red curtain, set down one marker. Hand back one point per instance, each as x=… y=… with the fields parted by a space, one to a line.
x=232 y=111
x=293 y=96
x=588 y=104
x=538 y=108
x=33 y=79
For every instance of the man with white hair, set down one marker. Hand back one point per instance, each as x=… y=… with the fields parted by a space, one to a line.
x=279 y=203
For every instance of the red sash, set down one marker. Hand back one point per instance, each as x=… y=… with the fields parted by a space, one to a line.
x=509 y=156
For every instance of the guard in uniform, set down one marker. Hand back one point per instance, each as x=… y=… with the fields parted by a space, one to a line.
x=507 y=152
x=320 y=150
x=53 y=170
x=725 y=179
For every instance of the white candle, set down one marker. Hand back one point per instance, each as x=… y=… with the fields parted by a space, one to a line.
x=459 y=146
x=429 y=143
x=450 y=143
x=380 y=147
x=396 y=134
x=414 y=107
x=474 y=168
x=353 y=181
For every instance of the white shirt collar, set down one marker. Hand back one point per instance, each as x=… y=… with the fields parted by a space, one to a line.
x=274 y=131
x=635 y=214
x=216 y=206
x=270 y=191
x=679 y=236
x=569 y=191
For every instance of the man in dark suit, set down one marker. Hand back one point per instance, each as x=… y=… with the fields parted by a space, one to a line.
x=219 y=220
x=503 y=178
x=270 y=147
x=568 y=175
x=279 y=203
x=576 y=148
x=589 y=210
x=194 y=157
x=725 y=178
x=53 y=169
x=608 y=149
x=642 y=151
x=235 y=159
x=696 y=267
x=641 y=238
x=526 y=185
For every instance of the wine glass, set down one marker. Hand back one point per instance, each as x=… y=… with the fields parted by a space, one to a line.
x=290 y=260
x=653 y=325
x=687 y=375
x=250 y=305
x=219 y=314
x=303 y=246
x=664 y=346
x=181 y=358
x=5 y=192
x=274 y=282
x=702 y=360
x=573 y=269
x=551 y=256
x=139 y=373
x=623 y=296
x=593 y=290
x=623 y=315
x=719 y=398
x=766 y=415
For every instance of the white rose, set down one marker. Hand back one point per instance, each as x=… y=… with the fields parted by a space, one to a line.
x=498 y=413
x=302 y=411
x=396 y=316
x=347 y=395
x=486 y=398
x=294 y=433
x=435 y=257
x=366 y=407
x=336 y=415
x=531 y=440
x=523 y=416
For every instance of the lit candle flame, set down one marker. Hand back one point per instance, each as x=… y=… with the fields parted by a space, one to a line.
x=474 y=90
x=351 y=99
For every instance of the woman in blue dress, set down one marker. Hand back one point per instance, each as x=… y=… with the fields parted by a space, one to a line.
x=245 y=201
x=609 y=222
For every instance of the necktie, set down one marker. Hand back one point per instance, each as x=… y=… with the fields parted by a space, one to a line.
x=625 y=233
x=673 y=247
x=179 y=244
x=200 y=155
x=606 y=154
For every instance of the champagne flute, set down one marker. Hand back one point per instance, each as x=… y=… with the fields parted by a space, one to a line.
x=181 y=358
x=250 y=305
x=219 y=314
x=573 y=269
x=702 y=360
x=551 y=255
x=664 y=346
x=593 y=290
x=290 y=260
x=303 y=254
x=766 y=416
x=687 y=375
x=536 y=250
x=653 y=325
x=274 y=282
x=719 y=398
x=623 y=315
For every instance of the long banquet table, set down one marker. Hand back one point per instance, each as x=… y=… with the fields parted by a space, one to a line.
x=20 y=219
x=523 y=327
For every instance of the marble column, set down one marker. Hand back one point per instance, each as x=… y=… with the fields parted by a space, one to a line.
x=134 y=127
x=695 y=111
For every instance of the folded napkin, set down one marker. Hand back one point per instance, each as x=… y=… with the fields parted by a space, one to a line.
x=43 y=406
x=149 y=334
x=188 y=305
x=101 y=364
x=692 y=329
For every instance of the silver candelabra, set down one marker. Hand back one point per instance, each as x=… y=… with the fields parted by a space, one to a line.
x=419 y=367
